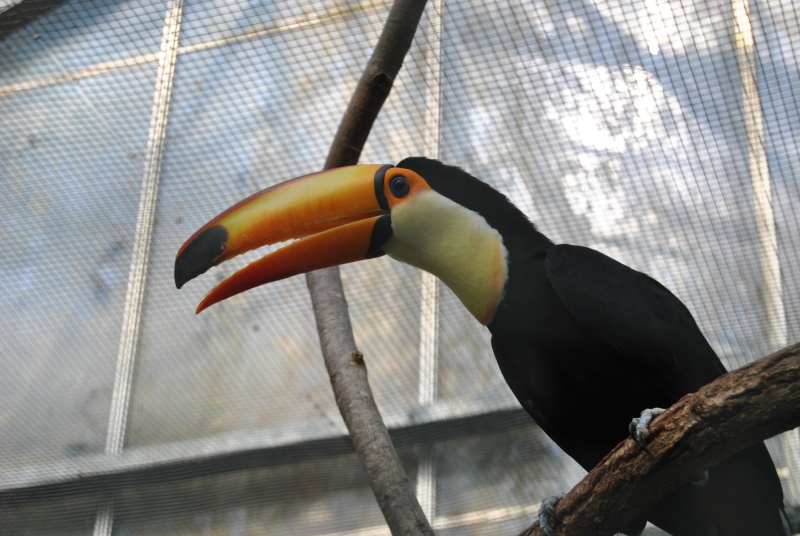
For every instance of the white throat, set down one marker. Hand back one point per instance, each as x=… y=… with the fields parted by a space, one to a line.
x=456 y=245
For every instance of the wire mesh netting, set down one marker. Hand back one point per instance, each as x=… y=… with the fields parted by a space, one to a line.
x=662 y=133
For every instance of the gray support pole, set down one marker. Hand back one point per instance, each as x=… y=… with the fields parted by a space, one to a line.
x=143 y=237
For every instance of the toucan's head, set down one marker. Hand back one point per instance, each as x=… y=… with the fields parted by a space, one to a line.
x=421 y=212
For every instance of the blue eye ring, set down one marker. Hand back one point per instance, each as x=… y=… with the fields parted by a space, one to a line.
x=399 y=186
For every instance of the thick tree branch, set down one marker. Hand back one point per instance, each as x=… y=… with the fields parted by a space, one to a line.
x=345 y=364
x=755 y=402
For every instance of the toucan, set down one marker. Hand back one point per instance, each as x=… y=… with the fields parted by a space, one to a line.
x=584 y=342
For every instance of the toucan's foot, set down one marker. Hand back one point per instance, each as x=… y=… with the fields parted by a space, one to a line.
x=702 y=480
x=639 y=428
x=547 y=514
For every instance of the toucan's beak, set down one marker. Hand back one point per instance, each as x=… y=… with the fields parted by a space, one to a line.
x=340 y=216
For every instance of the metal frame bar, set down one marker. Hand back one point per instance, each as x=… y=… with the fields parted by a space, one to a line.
x=142 y=242
x=305 y=20
x=759 y=174
x=765 y=215
x=143 y=237
x=102 y=473
x=429 y=300
x=429 y=318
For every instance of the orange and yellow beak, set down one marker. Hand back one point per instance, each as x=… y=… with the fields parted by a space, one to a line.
x=340 y=216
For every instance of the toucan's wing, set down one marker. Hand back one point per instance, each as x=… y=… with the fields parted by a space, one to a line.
x=636 y=314
x=657 y=336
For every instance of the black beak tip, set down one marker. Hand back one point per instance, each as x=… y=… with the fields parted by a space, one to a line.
x=200 y=255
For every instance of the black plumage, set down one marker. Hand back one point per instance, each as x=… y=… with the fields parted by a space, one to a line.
x=586 y=343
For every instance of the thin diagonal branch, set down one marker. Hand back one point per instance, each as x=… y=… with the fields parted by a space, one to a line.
x=344 y=362
x=745 y=406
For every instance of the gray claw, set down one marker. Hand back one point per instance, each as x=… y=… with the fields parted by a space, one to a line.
x=547 y=514
x=639 y=427
x=702 y=480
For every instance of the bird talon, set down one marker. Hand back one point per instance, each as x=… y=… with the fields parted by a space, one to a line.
x=547 y=512
x=702 y=480
x=639 y=427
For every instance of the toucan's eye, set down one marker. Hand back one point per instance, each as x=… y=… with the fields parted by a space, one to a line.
x=399 y=186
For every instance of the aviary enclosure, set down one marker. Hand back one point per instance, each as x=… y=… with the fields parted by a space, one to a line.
x=664 y=134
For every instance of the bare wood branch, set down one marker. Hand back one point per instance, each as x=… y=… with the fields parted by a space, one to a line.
x=755 y=402
x=344 y=362
x=375 y=83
